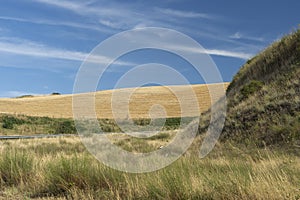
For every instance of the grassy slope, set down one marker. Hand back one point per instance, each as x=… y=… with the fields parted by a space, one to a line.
x=264 y=97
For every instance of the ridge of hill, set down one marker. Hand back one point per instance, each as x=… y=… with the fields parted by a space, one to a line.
x=264 y=97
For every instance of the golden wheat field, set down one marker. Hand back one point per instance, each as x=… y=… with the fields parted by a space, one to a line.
x=174 y=100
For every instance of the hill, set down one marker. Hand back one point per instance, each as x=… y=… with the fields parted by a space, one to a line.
x=264 y=97
x=141 y=101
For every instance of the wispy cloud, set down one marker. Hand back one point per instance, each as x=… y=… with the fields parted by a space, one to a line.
x=58 y=23
x=114 y=24
x=69 y=5
x=241 y=36
x=226 y=53
x=184 y=14
x=216 y=52
x=85 y=8
x=118 y=17
x=29 y=48
x=166 y=40
x=123 y=17
x=113 y=16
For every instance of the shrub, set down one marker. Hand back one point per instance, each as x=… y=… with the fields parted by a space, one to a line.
x=55 y=93
x=251 y=88
x=25 y=96
x=65 y=127
x=9 y=121
x=8 y=125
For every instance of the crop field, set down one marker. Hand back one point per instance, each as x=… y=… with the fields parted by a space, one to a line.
x=140 y=102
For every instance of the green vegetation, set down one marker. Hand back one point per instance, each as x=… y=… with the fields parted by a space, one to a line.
x=26 y=125
x=55 y=93
x=15 y=167
x=264 y=97
x=25 y=96
x=251 y=88
x=142 y=145
x=65 y=127
x=270 y=64
x=8 y=122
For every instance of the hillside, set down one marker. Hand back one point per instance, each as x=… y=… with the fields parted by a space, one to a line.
x=264 y=97
x=141 y=101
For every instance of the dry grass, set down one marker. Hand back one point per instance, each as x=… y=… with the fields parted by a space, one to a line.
x=67 y=171
x=141 y=101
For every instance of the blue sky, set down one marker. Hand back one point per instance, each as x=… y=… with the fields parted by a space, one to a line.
x=43 y=42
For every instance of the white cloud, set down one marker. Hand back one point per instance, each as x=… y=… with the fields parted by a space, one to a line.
x=115 y=17
x=113 y=24
x=240 y=36
x=58 y=23
x=74 y=6
x=124 y=17
x=84 y=8
x=237 y=35
x=108 y=23
x=226 y=53
x=184 y=14
x=29 y=48
x=24 y=47
x=166 y=40
x=216 y=52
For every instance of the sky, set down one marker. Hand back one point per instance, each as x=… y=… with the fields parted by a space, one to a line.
x=44 y=42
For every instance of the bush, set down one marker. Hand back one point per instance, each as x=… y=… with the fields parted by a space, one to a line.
x=55 y=93
x=64 y=127
x=9 y=121
x=25 y=96
x=8 y=125
x=251 y=88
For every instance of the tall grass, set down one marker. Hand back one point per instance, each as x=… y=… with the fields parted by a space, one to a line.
x=16 y=167
x=227 y=173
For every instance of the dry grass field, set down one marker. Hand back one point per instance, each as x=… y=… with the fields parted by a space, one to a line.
x=63 y=169
x=141 y=101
